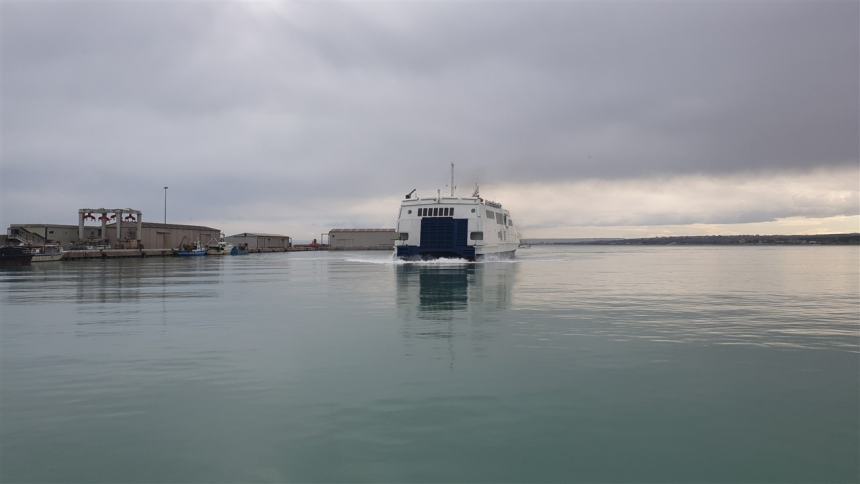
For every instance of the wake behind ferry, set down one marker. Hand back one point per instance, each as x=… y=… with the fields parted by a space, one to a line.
x=456 y=227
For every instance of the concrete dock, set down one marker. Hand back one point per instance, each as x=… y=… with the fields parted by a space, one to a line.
x=126 y=253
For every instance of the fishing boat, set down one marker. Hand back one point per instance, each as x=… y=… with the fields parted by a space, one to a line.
x=14 y=256
x=239 y=249
x=191 y=250
x=48 y=253
x=219 y=248
x=454 y=227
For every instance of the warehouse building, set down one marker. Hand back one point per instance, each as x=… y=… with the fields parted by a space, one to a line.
x=40 y=234
x=361 y=239
x=152 y=236
x=261 y=242
x=160 y=236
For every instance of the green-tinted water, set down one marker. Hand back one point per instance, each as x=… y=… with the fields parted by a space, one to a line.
x=658 y=364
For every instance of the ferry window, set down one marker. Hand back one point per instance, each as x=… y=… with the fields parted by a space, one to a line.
x=403 y=235
x=490 y=214
x=476 y=236
x=499 y=218
x=420 y=212
x=435 y=211
x=409 y=211
x=473 y=210
x=449 y=212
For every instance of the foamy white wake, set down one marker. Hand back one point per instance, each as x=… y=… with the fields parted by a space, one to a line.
x=442 y=261
x=397 y=262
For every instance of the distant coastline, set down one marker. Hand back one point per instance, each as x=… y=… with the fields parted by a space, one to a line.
x=820 y=239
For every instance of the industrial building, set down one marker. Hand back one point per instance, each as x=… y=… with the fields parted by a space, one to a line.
x=119 y=228
x=261 y=242
x=160 y=236
x=151 y=236
x=361 y=239
x=40 y=234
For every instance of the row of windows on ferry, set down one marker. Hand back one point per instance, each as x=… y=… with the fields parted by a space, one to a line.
x=435 y=212
x=501 y=218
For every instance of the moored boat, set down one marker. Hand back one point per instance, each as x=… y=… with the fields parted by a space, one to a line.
x=219 y=248
x=48 y=253
x=240 y=249
x=191 y=250
x=14 y=256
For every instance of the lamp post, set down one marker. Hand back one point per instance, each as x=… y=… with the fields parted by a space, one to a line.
x=165 y=205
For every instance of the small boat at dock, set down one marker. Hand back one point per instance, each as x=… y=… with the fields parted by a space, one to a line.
x=48 y=253
x=240 y=249
x=219 y=248
x=191 y=250
x=15 y=256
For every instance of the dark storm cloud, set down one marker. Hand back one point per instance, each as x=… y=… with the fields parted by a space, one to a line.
x=282 y=102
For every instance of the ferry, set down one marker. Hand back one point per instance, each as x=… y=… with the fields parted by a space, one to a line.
x=454 y=227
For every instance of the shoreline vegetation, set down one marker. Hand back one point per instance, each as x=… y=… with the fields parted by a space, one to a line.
x=819 y=239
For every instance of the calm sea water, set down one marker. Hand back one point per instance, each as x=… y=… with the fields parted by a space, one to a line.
x=612 y=364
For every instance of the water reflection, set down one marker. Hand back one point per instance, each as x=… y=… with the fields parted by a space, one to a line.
x=441 y=301
x=433 y=293
x=117 y=281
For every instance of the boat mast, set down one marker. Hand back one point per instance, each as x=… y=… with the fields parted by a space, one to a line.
x=452 y=180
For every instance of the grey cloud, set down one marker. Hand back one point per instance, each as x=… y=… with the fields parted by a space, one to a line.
x=352 y=100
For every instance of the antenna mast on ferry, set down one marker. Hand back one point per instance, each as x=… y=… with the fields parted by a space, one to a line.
x=452 y=180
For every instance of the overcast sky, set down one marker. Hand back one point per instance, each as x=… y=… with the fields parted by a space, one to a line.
x=586 y=119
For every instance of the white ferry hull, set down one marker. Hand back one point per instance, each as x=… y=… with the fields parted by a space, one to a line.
x=500 y=251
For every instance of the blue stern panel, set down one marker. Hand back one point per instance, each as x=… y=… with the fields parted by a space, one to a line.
x=440 y=237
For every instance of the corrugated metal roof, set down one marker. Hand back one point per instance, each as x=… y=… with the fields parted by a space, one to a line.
x=61 y=226
x=255 y=234
x=124 y=224
x=361 y=230
x=156 y=225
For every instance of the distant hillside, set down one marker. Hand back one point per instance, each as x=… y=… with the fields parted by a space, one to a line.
x=821 y=239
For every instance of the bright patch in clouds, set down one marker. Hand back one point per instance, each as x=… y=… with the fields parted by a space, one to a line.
x=729 y=201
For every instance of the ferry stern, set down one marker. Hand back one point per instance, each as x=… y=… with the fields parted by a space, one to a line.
x=467 y=228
